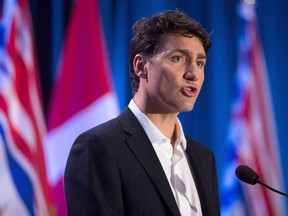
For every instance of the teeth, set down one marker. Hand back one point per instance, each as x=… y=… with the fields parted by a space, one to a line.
x=189 y=89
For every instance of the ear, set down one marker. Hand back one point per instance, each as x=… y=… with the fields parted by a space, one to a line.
x=139 y=62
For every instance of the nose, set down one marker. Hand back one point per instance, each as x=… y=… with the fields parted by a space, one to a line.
x=191 y=73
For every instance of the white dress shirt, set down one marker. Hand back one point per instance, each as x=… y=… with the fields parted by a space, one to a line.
x=174 y=163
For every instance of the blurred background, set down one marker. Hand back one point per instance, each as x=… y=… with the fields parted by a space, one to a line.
x=61 y=31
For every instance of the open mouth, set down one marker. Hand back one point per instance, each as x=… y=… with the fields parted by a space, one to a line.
x=189 y=91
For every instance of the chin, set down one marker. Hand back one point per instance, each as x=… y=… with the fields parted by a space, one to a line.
x=187 y=109
x=187 y=106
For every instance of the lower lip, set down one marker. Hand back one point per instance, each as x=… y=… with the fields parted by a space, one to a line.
x=188 y=93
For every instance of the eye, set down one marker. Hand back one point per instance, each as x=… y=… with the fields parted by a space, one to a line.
x=200 y=64
x=177 y=58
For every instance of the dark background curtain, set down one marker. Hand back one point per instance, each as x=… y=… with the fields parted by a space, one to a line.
x=209 y=120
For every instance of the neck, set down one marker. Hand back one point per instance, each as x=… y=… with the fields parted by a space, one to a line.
x=165 y=122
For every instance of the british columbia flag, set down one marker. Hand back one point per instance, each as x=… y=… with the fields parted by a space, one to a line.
x=23 y=186
x=252 y=136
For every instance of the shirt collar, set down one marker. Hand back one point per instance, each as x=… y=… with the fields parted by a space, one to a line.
x=153 y=133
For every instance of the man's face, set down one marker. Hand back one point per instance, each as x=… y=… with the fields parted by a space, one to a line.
x=175 y=74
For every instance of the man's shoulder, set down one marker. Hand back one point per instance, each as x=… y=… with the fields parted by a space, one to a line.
x=110 y=127
x=103 y=128
x=196 y=145
x=98 y=137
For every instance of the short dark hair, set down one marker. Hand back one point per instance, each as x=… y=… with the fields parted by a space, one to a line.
x=149 y=32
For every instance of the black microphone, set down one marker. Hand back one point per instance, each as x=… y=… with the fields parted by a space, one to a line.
x=248 y=175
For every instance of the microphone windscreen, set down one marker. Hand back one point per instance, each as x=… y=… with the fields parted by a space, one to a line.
x=246 y=174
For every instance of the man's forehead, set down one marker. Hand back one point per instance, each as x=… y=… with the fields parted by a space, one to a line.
x=174 y=42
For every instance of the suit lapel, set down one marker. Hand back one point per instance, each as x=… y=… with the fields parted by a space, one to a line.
x=197 y=169
x=143 y=150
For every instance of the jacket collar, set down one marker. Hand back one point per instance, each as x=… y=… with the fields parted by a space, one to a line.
x=143 y=150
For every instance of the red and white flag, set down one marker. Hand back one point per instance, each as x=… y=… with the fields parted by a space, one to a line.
x=23 y=182
x=83 y=93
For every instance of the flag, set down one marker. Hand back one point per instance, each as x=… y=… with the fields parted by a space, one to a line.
x=83 y=93
x=23 y=182
x=252 y=135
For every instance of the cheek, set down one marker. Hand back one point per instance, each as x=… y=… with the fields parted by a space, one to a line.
x=163 y=85
x=169 y=80
x=201 y=80
x=158 y=76
x=202 y=77
x=163 y=78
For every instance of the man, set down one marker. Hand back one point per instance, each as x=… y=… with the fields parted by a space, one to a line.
x=141 y=163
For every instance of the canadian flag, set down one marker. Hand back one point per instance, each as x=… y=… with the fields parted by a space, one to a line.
x=83 y=93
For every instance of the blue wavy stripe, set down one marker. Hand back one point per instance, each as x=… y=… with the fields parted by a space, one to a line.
x=20 y=178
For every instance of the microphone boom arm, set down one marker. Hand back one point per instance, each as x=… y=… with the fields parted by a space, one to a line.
x=267 y=186
x=249 y=176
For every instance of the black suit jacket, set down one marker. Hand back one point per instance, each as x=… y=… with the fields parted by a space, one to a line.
x=113 y=169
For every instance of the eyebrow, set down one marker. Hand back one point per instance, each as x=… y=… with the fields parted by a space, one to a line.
x=187 y=52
